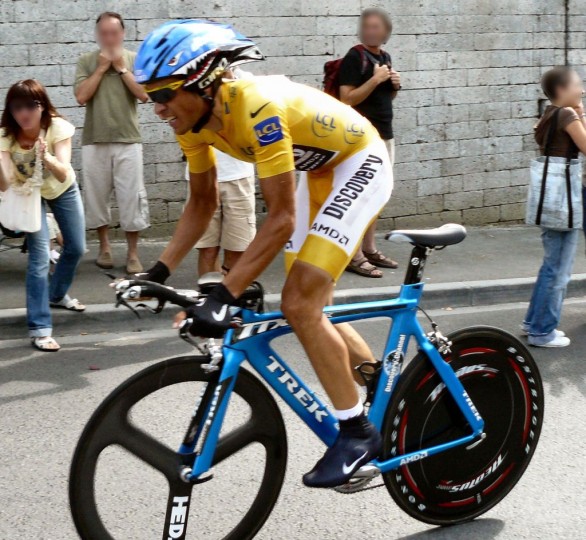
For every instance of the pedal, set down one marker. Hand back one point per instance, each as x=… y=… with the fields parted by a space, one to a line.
x=369 y=371
x=362 y=477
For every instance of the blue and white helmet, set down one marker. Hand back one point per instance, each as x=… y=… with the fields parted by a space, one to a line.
x=196 y=50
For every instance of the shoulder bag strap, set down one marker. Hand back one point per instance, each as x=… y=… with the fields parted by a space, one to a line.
x=572 y=150
x=550 y=134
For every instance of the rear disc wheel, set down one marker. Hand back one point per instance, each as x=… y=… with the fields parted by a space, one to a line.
x=457 y=485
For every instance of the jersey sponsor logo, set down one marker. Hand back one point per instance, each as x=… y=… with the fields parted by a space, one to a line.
x=269 y=131
x=353 y=187
x=255 y=113
x=354 y=132
x=308 y=158
x=330 y=233
x=323 y=125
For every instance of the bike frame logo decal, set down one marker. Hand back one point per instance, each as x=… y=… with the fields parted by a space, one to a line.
x=299 y=393
x=466 y=370
x=178 y=517
x=392 y=369
x=259 y=328
x=473 y=483
x=415 y=457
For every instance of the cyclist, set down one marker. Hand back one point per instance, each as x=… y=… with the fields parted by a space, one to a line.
x=345 y=181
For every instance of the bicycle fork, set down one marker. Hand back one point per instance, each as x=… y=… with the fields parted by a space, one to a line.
x=199 y=443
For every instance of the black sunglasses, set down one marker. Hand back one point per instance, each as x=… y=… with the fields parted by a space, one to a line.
x=162 y=96
x=166 y=93
x=28 y=105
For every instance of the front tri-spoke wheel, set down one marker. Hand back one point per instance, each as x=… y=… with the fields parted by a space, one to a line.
x=125 y=472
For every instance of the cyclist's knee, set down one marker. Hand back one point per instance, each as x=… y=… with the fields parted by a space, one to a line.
x=300 y=310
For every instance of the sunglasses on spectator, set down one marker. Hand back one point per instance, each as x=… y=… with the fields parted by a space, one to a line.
x=27 y=105
x=166 y=93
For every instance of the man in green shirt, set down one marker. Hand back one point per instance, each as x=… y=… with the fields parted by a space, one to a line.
x=111 y=142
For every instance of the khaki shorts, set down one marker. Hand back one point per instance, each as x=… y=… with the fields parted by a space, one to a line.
x=114 y=167
x=234 y=224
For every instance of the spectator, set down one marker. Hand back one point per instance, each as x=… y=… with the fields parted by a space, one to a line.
x=563 y=86
x=369 y=83
x=111 y=143
x=233 y=225
x=32 y=127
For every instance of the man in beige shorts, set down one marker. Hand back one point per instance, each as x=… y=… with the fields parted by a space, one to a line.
x=111 y=143
x=234 y=223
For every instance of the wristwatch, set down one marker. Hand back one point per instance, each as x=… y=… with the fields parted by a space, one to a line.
x=122 y=72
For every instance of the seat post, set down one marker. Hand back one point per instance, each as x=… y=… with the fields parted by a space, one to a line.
x=416 y=265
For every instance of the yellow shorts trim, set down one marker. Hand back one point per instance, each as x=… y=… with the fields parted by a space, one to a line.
x=325 y=255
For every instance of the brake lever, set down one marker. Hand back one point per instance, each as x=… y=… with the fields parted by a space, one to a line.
x=120 y=301
x=155 y=310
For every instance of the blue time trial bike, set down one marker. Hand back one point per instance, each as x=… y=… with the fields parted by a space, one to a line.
x=460 y=423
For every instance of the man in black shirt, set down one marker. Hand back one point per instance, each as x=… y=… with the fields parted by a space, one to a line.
x=369 y=83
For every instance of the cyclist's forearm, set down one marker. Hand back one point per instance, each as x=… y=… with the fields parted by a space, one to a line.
x=191 y=226
x=267 y=244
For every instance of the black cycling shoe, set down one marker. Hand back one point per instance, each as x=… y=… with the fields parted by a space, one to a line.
x=358 y=443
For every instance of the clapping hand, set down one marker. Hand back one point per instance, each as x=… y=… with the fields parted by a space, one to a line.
x=395 y=77
x=104 y=61
x=381 y=73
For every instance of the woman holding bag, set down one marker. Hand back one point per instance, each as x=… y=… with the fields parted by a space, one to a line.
x=554 y=202
x=35 y=151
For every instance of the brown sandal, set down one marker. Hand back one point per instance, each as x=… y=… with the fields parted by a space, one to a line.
x=378 y=259
x=358 y=267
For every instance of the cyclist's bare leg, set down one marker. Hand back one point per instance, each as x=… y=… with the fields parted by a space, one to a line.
x=359 y=351
x=305 y=294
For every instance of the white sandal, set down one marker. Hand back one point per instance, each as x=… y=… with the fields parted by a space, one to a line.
x=70 y=304
x=45 y=344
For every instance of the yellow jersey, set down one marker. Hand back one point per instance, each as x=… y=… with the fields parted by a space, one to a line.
x=280 y=125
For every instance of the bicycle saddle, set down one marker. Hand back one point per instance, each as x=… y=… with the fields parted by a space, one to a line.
x=446 y=235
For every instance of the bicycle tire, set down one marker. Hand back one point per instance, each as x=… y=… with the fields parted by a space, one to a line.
x=460 y=484
x=104 y=429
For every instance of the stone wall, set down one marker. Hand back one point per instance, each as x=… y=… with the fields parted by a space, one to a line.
x=463 y=120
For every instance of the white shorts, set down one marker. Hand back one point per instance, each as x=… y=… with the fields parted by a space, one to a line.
x=117 y=167
x=335 y=207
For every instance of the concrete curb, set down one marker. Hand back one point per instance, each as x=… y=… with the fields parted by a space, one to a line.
x=105 y=317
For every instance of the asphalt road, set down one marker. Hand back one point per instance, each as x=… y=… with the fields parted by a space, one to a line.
x=45 y=401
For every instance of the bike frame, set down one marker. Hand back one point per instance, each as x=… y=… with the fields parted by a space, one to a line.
x=252 y=343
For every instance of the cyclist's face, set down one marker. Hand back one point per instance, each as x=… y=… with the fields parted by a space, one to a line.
x=182 y=111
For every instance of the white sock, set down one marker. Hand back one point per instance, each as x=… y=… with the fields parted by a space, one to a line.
x=346 y=414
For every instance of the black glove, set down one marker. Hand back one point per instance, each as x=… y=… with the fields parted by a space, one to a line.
x=159 y=273
x=211 y=316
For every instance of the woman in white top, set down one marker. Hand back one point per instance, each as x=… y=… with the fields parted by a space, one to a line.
x=31 y=127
